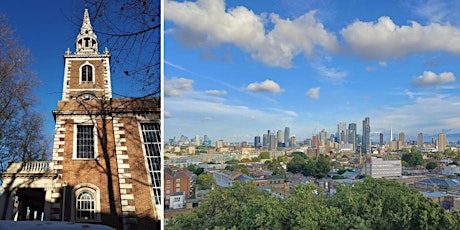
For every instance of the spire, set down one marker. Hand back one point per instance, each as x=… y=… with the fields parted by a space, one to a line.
x=86 y=40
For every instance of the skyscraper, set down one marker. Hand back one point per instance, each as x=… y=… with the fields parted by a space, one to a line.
x=293 y=141
x=391 y=135
x=366 y=146
x=280 y=138
x=401 y=138
x=442 y=142
x=315 y=141
x=420 y=140
x=342 y=132
x=271 y=141
x=381 y=139
x=352 y=134
x=287 y=140
x=257 y=142
x=264 y=140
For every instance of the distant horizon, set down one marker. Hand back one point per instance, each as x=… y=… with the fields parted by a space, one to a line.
x=374 y=138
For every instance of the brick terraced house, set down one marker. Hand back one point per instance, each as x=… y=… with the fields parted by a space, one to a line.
x=106 y=164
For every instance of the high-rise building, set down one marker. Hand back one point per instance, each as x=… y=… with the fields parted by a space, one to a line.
x=264 y=140
x=315 y=141
x=352 y=134
x=381 y=139
x=280 y=138
x=271 y=141
x=219 y=143
x=293 y=141
x=257 y=142
x=287 y=140
x=342 y=133
x=401 y=138
x=366 y=145
x=197 y=140
x=442 y=142
x=391 y=135
x=420 y=140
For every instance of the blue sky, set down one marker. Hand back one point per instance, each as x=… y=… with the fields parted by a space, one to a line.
x=47 y=29
x=234 y=69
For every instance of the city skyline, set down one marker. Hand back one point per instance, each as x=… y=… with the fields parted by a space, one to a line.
x=234 y=69
x=352 y=137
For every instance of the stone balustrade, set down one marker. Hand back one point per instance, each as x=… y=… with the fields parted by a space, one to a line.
x=29 y=167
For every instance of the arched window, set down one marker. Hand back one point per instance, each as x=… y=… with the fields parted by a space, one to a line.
x=86 y=73
x=85 y=206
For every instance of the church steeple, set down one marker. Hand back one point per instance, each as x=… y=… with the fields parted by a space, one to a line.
x=86 y=40
x=86 y=72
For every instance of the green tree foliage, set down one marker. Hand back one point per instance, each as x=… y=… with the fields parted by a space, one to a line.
x=264 y=155
x=301 y=154
x=296 y=165
x=372 y=204
x=389 y=205
x=317 y=168
x=238 y=167
x=195 y=169
x=242 y=206
x=431 y=165
x=412 y=159
x=205 y=181
x=232 y=161
x=275 y=167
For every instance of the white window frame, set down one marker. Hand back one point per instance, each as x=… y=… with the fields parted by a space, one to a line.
x=93 y=77
x=75 y=128
x=94 y=190
x=158 y=187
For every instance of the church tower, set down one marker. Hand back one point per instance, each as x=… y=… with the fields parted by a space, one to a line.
x=87 y=72
x=106 y=150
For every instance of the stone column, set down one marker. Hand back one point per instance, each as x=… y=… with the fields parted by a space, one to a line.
x=3 y=200
x=10 y=206
x=47 y=206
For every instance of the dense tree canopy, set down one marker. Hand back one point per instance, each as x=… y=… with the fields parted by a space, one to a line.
x=315 y=167
x=374 y=203
x=431 y=165
x=205 y=181
x=412 y=159
x=264 y=155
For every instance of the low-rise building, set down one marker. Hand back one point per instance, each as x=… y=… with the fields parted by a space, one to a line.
x=177 y=180
x=450 y=170
x=177 y=200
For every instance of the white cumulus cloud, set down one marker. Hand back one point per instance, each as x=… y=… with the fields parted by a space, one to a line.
x=216 y=92
x=384 y=39
x=175 y=87
x=313 y=93
x=428 y=79
x=207 y=23
x=265 y=86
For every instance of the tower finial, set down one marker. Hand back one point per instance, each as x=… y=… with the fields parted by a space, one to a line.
x=86 y=39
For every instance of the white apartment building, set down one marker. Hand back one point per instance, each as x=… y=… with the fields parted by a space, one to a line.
x=378 y=167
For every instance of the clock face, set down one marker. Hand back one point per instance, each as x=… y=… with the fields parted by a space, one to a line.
x=86 y=97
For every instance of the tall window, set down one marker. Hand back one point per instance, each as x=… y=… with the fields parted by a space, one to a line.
x=86 y=73
x=85 y=141
x=151 y=136
x=85 y=206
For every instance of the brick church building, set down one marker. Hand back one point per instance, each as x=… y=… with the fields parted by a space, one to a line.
x=106 y=164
